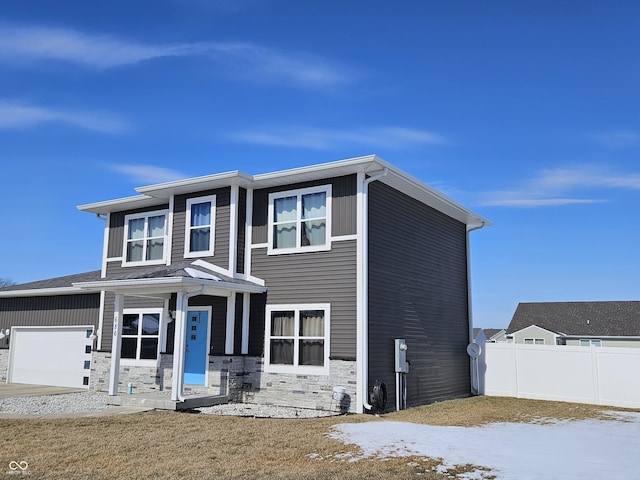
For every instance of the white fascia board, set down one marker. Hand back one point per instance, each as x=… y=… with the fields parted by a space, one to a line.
x=398 y=179
x=370 y=164
x=119 y=204
x=315 y=172
x=188 y=185
x=422 y=192
x=47 y=292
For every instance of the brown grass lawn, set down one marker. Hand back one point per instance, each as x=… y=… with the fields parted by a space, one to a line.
x=188 y=445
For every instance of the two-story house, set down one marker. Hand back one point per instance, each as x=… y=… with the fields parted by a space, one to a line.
x=277 y=288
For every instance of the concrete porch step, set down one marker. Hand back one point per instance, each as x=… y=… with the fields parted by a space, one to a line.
x=162 y=401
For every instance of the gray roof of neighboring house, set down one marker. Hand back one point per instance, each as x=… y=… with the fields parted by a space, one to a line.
x=592 y=319
x=488 y=332
x=57 y=282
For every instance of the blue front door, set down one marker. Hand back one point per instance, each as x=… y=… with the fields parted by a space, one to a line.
x=195 y=362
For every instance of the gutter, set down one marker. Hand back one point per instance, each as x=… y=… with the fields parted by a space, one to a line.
x=362 y=353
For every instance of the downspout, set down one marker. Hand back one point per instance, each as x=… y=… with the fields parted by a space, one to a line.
x=469 y=302
x=182 y=337
x=363 y=333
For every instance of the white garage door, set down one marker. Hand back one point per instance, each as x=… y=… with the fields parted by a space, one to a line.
x=59 y=356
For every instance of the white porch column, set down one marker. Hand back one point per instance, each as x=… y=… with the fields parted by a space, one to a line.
x=246 y=306
x=177 y=379
x=116 y=344
x=231 y=320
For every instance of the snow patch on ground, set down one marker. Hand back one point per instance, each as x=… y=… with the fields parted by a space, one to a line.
x=567 y=450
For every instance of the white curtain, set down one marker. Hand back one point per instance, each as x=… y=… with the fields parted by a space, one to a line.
x=201 y=214
x=284 y=234
x=135 y=243
x=311 y=349
x=314 y=205
x=281 y=349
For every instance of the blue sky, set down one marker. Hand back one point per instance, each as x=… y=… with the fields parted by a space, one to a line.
x=527 y=112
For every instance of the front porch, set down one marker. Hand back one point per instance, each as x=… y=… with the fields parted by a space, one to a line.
x=162 y=400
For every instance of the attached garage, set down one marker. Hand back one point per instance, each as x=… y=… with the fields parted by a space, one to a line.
x=57 y=356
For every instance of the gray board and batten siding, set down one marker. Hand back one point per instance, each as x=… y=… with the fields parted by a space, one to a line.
x=310 y=277
x=417 y=291
x=49 y=311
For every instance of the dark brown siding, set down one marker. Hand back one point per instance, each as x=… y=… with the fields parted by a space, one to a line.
x=256 y=324
x=318 y=277
x=417 y=291
x=343 y=207
x=53 y=311
x=221 y=246
x=237 y=332
x=218 y=320
x=242 y=220
x=116 y=229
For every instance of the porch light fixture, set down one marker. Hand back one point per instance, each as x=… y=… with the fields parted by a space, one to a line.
x=4 y=334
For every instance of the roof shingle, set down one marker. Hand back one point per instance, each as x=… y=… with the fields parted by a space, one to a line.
x=607 y=319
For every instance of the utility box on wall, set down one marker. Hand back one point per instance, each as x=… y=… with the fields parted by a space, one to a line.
x=401 y=356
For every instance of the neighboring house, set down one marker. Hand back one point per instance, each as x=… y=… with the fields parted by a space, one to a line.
x=609 y=324
x=274 y=288
x=491 y=335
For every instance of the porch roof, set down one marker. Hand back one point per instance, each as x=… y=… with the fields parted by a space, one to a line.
x=163 y=280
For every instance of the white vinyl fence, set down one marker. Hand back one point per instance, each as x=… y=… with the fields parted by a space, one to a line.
x=596 y=375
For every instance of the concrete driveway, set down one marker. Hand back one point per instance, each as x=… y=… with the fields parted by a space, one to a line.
x=21 y=390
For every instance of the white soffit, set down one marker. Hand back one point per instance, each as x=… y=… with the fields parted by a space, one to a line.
x=119 y=204
x=154 y=195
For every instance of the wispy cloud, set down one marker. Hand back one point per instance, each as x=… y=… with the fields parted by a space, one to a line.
x=563 y=186
x=323 y=139
x=19 y=116
x=255 y=63
x=619 y=139
x=148 y=174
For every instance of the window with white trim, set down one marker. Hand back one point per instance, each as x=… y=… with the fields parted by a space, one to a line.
x=140 y=335
x=587 y=342
x=534 y=341
x=297 y=338
x=199 y=225
x=145 y=238
x=300 y=220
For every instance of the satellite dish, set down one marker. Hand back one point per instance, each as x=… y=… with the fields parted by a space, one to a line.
x=473 y=349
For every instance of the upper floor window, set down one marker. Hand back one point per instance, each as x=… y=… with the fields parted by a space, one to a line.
x=300 y=220
x=200 y=226
x=587 y=342
x=297 y=338
x=534 y=341
x=145 y=238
